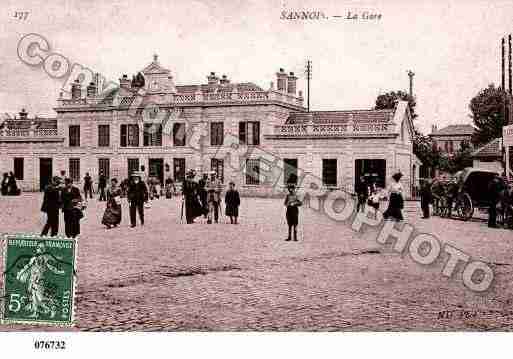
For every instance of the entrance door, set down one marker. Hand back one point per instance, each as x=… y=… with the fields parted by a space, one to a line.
x=374 y=170
x=45 y=172
x=156 y=168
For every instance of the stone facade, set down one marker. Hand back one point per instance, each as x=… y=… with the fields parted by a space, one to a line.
x=219 y=120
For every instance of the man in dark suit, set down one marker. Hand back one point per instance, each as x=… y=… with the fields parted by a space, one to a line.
x=362 y=192
x=137 y=195
x=51 y=205
x=102 y=183
x=426 y=197
x=71 y=207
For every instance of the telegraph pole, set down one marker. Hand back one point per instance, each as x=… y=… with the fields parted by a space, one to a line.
x=410 y=75
x=308 y=72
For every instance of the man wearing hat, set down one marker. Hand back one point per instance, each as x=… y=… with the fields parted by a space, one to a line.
x=72 y=208
x=137 y=195
x=51 y=205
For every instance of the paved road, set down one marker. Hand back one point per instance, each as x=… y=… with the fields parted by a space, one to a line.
x=171 y=276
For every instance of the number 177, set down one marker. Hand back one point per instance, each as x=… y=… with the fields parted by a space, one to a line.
x=22 y=15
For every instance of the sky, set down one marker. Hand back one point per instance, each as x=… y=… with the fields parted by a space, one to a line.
x=453 y=47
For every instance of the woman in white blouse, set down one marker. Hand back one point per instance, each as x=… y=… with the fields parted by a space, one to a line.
x=396 y=199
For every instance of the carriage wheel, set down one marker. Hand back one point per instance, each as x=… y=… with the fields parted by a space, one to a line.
x=466 y=208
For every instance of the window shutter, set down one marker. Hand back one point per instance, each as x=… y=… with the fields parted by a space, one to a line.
x=123 y=136
x=256 y=133
x=242 y=132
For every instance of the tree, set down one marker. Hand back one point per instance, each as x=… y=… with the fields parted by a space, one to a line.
x=487 y=109
x=388 y=100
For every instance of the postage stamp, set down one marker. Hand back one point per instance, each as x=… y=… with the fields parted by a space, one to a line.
x=39 y=280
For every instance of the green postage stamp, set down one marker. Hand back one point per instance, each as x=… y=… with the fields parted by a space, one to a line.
x=38 y=280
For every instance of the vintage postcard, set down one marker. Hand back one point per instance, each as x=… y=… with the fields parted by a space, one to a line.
x=263 y=166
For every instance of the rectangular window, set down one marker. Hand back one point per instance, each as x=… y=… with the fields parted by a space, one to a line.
x=290 y=170
x=179 y=169
x=249 y=133
x=74 y=135
x=152 y=134
x=19 y=168
x=253 y=171
x=74 y=169
x=217 y=165
x=133 y=165
x=329 y=172
x=129 y=135
x=103 y=135
x=216 y=133
x=179 y=134
x=104 y=167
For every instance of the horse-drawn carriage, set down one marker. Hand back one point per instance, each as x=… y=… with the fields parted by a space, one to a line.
x=468 y=190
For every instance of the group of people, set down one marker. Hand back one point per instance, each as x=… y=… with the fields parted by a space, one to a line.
x=369 y=194
x=62 y=195
x=9 y=186
x=202 y=197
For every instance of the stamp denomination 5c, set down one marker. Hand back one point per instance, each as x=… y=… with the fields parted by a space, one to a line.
x=38 y=280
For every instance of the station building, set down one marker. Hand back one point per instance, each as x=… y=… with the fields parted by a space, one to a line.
x=259 y=138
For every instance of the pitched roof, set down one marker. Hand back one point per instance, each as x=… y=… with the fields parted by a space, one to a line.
x=326 y=117
x=454 y=130
x=491 y=149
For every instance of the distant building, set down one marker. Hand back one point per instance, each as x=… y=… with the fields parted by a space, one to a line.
x=239 y=130
x=450 y=138
x=489 y=156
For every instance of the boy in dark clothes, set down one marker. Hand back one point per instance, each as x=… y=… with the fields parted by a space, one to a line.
x=51 y=205
x=232 y=200
x=292 y=203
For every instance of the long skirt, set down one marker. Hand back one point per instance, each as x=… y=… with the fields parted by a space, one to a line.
x=395 y=206
x=292 y=215
x=112 y=214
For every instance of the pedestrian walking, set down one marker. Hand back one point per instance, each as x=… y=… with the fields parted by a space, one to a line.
x=374 y=198
x=426 y=197
x=88 y=186
x=292 y=203
x=137 y=196
x=232 y=201
x=214 y=189
x=5 y=184
x=495 y=188
x=193 y=207
x=395 y=199
x=362 y=192
x=72 y=208
x=102 y=184
x=51 y=206
x=12 y=186
x=112 y=215
x=203 y=194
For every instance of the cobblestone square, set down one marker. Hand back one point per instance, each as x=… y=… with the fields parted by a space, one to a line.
x=168 y=276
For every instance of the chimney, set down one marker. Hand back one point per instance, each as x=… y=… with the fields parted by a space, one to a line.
x=291 y=84
x=212 y=79
x=124 y=82
x=91 y=90
x=434 y=128
x=76 y=90
x=224 y=80
x=23 y=114
x=281 y=81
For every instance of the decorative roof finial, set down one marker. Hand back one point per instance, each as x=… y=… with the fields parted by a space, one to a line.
x=155 y=57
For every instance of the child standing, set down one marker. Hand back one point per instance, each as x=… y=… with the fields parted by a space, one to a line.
x=232 y=200
x=292 y=203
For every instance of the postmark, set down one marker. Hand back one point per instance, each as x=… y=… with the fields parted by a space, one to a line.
x=39 y=280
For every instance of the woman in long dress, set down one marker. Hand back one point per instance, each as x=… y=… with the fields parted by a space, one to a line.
x=112 y=215
x=396 y=200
